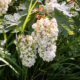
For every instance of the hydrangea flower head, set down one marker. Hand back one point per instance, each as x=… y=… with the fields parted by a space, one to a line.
x=4 y=6
x=45 y=34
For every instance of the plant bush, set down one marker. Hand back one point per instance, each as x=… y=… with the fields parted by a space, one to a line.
x=39 y=39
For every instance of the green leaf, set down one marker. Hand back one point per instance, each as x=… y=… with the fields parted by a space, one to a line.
x=7 y=63
x=64 y=22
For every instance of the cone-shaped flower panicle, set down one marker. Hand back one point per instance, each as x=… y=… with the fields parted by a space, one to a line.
x=27 y=53
x=45 y=34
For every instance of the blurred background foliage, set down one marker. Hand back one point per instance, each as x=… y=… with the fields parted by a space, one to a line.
x=66 y=65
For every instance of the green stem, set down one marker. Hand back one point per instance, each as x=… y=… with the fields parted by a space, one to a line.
x=29 y=13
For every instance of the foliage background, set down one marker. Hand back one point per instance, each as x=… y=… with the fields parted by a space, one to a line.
x=66 y=65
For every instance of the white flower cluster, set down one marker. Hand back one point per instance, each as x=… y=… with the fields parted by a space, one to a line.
x=4 y=52
x=52 y=1
x=2 y=42
x=50 y=5
x=40 y=1
x=27 y=53
x=42 y=39
x=45 y=34
x=4 y=6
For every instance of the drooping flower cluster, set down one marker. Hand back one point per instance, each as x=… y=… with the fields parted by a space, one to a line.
x=45 y=34
x=4 y=6
x=43 y=39
x=27 y=52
